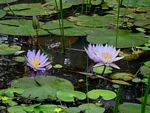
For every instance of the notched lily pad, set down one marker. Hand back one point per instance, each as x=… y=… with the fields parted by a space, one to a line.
x=68 y=96
x=42 y=86
x=105 y=94
x=125 y=39
x=5 y=49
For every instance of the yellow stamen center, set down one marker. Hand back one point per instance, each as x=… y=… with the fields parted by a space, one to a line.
x=35 y=63
x=106 y=56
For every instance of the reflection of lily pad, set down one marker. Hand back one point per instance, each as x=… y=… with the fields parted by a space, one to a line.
x=125 y=38
x=68 y=96
x=8 y=50
x=2 y=13
x=105 y=94
x=42 y=87
x=7 y=1
x=122 y=76
x=132 y=108
x=99 y=70
x=19 y=27
x=30 y=9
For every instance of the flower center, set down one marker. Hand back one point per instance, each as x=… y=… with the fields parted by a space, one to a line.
x=106 y=56
x=35 y=63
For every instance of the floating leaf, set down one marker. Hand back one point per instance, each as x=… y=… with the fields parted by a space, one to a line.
x=122 y=76
x=99 y=70
x=20 y=59
x=19 y=27
x=145 y=71
x=91 y=108
x=31 y=9
x=136 y=80
x=68 y=96
x=125 y=38
x=42 y=86
x=57 y=66
x=147 y=63
x=142 y=99
x=105 y=94
x=5 y=49
x=132 y=108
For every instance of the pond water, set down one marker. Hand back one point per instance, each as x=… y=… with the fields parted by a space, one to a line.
x=71 y=83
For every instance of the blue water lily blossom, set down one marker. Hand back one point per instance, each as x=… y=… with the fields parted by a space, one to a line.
x=103 y=55
x=37 y=61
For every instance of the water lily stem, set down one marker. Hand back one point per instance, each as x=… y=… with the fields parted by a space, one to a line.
x=37 y=39
x=145 y=96
x=103 y=70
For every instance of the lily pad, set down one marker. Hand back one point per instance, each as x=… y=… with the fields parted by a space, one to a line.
x=125 y=39
x=93 y=21
x=2 y=13
x=5 y=49
x=142 y=98
x=7 y=1
x=99 y=70
x=68 y=96
x=147 y=63
x=19 y=27
x=31 y=9
x=145 y=71
x=132 y=108
x=122 y=76
x=42 y=86
x=136 y=80
x=20 y=59
x=105 y=94
x=91 y=108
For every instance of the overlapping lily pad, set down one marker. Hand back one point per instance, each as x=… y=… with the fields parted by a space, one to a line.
x=68 y=96
x=125 y=38
x=123 y=76
x=31 y=9
x=19 y=27
x=7 y=1
x=5 y=49
x=42 y=86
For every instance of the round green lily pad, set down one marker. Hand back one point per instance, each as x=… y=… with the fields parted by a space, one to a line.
x=99 y=70
x=105 y=94
x=125 y=39
x=31 y=9
x=58 y=66
x=5 y=49
x=68 y=96
x=136 y=80
x=147 y=63
x=20 y=59
x=19 y=27
x=42 y=86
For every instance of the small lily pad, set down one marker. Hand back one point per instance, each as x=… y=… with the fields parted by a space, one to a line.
x=20 y=59
x=5 y=49
x=147 y=63
x=91 y=108
x=99 y=70
x=68 y=96
x=105 y=94
x=136 y=80
x=122 y=76
x=145 y=71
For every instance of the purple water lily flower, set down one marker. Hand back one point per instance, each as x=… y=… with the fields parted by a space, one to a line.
x=103 y=55
x=37 y=61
